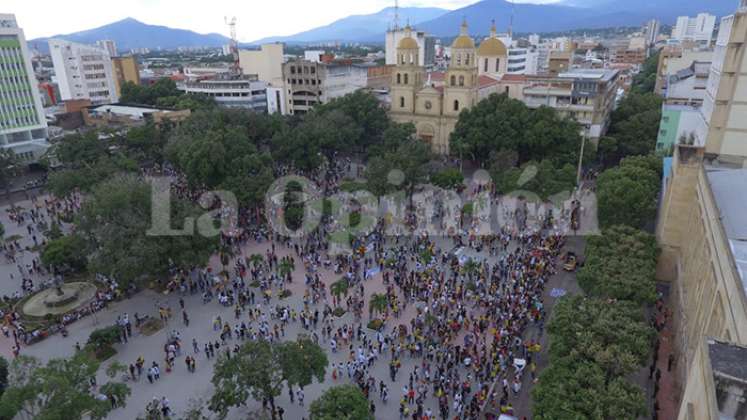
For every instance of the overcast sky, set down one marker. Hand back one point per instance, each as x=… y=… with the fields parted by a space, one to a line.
x=255 y=18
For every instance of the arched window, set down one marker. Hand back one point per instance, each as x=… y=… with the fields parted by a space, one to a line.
x=401 y=59
x=497 y=65
x=401 y=101
x=406 y=79
x=456 y=105
x=399 y=78
x=461 y=80
x=459 y=59
x=466 y=60
x=453 y=80
x=485 y=66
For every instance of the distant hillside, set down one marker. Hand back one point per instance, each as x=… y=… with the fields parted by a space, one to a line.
x=570 y=14
x=360 y=28
x=130 y=33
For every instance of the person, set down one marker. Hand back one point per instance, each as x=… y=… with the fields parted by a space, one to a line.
x=281 y=411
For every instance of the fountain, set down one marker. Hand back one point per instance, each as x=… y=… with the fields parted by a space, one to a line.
x=62 y=298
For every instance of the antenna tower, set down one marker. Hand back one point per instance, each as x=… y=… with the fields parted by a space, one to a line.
x=396 y=15
x=235 y=67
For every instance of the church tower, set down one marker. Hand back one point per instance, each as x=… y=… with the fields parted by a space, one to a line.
x=407 y=77
x=461 y=82
x=492 y=55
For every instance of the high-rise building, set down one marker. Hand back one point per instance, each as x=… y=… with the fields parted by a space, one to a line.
x=83 y=72
x=723 y=128
x=698 y=29
x=23 y=127
x=266 y=63
x=109 y=45
x=652 y=32
x=125 y=70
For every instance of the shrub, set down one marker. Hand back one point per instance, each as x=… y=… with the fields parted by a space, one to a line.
x=375 y=324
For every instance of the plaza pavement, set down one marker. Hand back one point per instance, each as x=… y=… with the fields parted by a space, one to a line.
x=182 y=387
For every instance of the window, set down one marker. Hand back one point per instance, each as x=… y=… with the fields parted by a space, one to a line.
x=466 y=60
x=406 y=81
x=456 y=105
x=485 y=66
x=497 y=65
x=459 y=59
x=453 y=80
x=461 y=80
x=399 y=78
x=401 y=101
x=428 y=105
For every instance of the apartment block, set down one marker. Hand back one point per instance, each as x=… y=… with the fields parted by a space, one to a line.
x=83 y=72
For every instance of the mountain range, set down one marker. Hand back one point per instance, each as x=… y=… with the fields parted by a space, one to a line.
x=565 y=15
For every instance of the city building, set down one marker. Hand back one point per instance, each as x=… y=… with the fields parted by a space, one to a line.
x=722 y=129
x=585 y=95
x=195 y=73
x=313 y=55
x=308 y=83
x=83 y=72
x=492 y=55
x=678 y=124
x=652 y=32
x=247 y=92
x=674 y=58
x=698 y=29
x=23 y=126
x=434 y=110
x=559 y=61
x=109 y=45
x=125 y=70
x=688 y=86
x=111 y=115
x=701 y=232
x=266 y=63
x=523 y=61
x=426 y=46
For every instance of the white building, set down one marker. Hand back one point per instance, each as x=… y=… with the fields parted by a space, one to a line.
x=109 y=45
x=266 y=63
x=534 y=39
x=313 y=55
x=248 y=93
x=523 y=61
x=698 y=29
x=23 y=126
x=83 y=72
x=426 y=46
x=276 y=102
x=652 y=32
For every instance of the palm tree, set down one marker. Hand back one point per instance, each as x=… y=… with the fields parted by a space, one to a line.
x=285 y=267
x=226 y=253
x=379 y=303
x=255 y=260
x=470 y=268
x=340 y=287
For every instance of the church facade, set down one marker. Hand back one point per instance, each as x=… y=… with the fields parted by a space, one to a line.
x=434 y=109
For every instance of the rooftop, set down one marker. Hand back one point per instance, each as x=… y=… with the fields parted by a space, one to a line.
x=590 y=74
x=728 y=360
x=729 y=187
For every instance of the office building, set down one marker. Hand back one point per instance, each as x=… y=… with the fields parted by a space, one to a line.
x=247 y=92
x=266 y=63
x=109 y=45
x=678 y=124
x=723 y=127
x=698 y=29
x=585 y=95
x=23 y=127
x=674 y=58
x=308 y=83
x=125 y=70
x=83 y=72
x=688 y=86
x=652 y=32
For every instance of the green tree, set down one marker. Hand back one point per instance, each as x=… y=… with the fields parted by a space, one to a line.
x=3 y=375
x=572 y=388
x=627 y=195
x=345 y=402
x=399 y=169
x=448 y=178
x=340 y=287
x=260 y=369
x=115 y=221
x=8 y=166
x=543 y=179
x=366 y=112
x=378 y=303
x=102 y=340
x=645 y=80
x=634 y=128
x=65 y=253
x=58 y=390
x=614 y=335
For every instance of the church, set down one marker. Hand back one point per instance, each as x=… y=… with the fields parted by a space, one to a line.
x=433 y=106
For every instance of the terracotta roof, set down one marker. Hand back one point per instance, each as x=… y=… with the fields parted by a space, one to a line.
x=513 y=78
x=486 y=81
x=436 y=76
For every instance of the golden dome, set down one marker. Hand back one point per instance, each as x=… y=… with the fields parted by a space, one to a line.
x=492 y=47
x=463 y=40
x=407 y=43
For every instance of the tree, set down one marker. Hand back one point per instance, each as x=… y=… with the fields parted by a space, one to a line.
x=378 y=303
x=8 y=162
x=114 y=222
x=365 y=111
x=3 y=375
x=634 y=128
x=399 y=169
x=340 y=287
x=614 y=335
x=543 y=179
x=579 y=389
x=259 y=370
x=65 y=253
x=448 y=179
x=627 y=195
x=60 y=389
x=101 y=340
x=620 y=264
x=645 y=80
x=499 y=122
x=345 y=402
